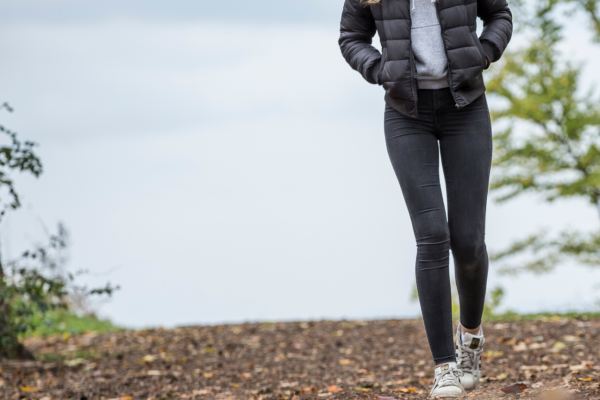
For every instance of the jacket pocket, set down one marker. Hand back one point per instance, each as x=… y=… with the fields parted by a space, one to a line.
x=480 y=48
x=382 y=66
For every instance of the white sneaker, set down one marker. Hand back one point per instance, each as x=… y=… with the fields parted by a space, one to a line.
x=468 y=356
x=447 y=383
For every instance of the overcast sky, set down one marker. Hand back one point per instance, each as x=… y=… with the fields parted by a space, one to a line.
x=225 y=164
x=306 y=11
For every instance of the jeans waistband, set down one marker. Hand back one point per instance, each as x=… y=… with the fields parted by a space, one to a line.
x=439 y=96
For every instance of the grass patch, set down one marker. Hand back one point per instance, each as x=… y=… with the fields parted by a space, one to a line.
x=60 y=357
x=65 y=322
x=511 y=316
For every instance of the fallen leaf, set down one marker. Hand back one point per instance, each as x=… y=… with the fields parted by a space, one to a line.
x=408 y=390
x=535 y=346
x=75 y=362
x=515 y=388
x=534 y=367
x=502 y=377
x=201 y=392
x=399 y=382
x=385 y=398
x=559 y=346
x=28 y=389
x=148 y=358
x=207 y=375
x=324 y=394
x=333 y=389
x=154 y=372
x=589 y=378
x=345 y=361
x=577 y=367
x=493 y=354
x=522 y=346
x=571 y=376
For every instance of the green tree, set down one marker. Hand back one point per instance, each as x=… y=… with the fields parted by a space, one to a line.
x=547 y=138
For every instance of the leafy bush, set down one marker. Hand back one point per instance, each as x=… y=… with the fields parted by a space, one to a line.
x=35 y=283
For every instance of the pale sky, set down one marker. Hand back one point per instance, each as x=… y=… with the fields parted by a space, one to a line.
x=228 y=164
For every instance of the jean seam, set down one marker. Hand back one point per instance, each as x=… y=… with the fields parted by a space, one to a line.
x=435 y=96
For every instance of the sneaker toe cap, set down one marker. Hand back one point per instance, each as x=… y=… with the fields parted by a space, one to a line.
x=447 y=391
x=468 y=381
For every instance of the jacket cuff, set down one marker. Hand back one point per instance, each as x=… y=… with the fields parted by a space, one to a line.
x=373 y=72
x=490 y=52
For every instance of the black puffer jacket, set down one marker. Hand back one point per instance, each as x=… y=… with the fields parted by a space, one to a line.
x=395 y=68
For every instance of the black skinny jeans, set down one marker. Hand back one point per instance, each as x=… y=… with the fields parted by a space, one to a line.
x=465 y=142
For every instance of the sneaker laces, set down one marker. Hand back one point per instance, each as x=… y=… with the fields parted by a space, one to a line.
x=450 y=377
x=468 y=358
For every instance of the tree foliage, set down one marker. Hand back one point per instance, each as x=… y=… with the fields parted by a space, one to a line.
x=15 y=156
x=547 y=138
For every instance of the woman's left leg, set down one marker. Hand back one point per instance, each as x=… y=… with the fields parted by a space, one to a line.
x=466 y=151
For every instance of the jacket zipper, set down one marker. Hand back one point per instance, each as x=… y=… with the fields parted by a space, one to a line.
x=413 y=69
x=437 y=11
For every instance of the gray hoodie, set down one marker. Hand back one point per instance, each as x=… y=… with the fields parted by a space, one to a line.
x=427 y=46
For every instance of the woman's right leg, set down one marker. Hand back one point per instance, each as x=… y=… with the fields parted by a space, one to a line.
x=413 y=149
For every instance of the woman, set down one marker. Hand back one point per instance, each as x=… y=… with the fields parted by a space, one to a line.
x=431 y=69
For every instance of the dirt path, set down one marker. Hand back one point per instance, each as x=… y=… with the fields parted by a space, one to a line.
x=334 y=360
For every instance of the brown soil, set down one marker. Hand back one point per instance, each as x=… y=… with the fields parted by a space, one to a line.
x=307 y=360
